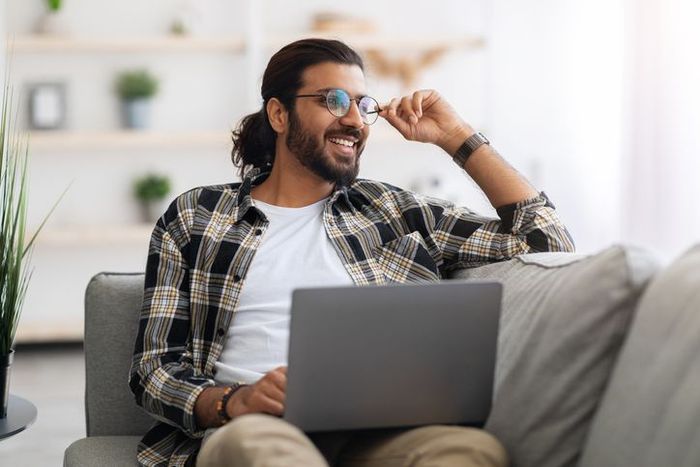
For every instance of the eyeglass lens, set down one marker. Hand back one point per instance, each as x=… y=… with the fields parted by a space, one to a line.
x=338 y=102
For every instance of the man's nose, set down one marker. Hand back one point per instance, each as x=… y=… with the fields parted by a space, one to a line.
x=353 y=118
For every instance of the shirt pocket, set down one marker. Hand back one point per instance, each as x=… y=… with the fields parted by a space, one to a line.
x=406 y=259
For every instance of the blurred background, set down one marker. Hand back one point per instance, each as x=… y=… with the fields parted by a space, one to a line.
x=596 y=102
x=131 y=103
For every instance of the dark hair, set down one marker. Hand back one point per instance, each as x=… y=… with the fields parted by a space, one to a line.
x=254 y=139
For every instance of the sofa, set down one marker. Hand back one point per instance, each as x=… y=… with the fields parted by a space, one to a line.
x=598 y=362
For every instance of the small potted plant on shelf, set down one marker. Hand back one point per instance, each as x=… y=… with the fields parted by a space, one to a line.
x=53 y=22
x=136 y=89
x=15 y=246
x=150 y=190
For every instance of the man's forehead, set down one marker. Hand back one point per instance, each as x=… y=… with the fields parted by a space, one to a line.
x=330 y=75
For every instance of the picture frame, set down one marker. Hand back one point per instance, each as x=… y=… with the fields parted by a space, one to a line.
x=47 y=105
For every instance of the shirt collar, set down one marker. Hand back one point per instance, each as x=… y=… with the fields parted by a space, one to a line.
x=255 y=176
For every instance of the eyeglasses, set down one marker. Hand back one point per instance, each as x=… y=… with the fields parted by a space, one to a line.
x=338 y=102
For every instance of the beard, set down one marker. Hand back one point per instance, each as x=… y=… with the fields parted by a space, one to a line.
x=310 y=153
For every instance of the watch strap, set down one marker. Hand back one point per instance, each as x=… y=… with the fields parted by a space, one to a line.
x=467 y=148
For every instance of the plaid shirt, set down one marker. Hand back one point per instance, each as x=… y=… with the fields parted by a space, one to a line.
x=202 y=247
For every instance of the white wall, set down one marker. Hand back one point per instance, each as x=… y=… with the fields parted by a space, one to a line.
x=555 y=105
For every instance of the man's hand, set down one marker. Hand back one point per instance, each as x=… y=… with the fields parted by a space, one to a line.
x=427 y=117
x=265 y=396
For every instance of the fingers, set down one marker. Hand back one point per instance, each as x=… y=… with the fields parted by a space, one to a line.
x=407 y=109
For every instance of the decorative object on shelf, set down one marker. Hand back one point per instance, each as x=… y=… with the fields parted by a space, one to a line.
x=187 y=19
x=404 y=68
x=15 y=250
x=341 y=23
x=150 y=190
x=47 y=106
x=54 y=22
x=135 y=89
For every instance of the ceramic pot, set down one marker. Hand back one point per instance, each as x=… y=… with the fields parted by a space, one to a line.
x=136 y=113
x=5 y=366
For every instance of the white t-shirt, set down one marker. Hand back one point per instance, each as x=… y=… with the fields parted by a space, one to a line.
x=294 y=252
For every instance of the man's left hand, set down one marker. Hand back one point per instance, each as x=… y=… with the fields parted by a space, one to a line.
x=427 y=117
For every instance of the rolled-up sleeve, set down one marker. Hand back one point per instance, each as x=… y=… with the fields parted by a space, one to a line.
x=466 y=239
x=162 y=376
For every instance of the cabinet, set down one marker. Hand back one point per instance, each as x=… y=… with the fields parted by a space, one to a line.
x=208 y=82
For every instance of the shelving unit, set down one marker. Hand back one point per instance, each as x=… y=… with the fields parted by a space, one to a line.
x=43 y=44
x=104 y=159
x=44 y=140
x=102 y=236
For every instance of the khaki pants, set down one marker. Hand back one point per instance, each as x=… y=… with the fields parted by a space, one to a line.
x=264 y=441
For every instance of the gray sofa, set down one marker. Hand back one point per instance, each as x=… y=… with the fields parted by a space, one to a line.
x=598 y=363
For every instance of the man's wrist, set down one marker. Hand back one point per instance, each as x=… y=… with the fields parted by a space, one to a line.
x=454 y=140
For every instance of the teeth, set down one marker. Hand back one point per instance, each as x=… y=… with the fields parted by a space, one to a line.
x=343 y=142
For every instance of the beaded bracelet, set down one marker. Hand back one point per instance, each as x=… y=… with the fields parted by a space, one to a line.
x=221 y=403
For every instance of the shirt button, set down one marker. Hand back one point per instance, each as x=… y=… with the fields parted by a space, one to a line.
x=258 y=232
x=220 y=331
x=236 y=278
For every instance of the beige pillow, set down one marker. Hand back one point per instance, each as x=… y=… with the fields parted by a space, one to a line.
x=563 y=320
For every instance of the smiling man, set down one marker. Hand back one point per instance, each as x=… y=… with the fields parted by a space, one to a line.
x=211 y=353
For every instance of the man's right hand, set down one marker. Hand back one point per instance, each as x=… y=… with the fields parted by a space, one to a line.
x=267 y=395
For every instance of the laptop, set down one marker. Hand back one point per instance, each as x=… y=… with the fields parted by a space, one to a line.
x=392 y=356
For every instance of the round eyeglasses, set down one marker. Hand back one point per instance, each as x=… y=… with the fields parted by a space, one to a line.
x=338 y=102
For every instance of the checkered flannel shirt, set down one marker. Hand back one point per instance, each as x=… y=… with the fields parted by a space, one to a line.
x=203 y=245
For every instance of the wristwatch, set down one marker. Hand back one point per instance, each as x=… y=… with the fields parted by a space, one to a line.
x=470 y=145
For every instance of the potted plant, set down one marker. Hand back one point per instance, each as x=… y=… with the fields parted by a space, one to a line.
x=15 y=247
x=150 y=190
x=53 y=22
x=135 y=89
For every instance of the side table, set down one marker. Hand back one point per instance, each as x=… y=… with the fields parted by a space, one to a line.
x=20 y=414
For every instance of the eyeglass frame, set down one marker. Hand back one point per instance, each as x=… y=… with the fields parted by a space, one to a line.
x=356 y=99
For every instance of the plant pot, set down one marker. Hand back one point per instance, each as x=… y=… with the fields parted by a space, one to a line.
x=5 y=366
x=53 y=23
x=136 y=113
x=150 y=211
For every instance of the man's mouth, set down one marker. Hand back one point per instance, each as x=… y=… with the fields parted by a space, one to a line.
x=350 y=143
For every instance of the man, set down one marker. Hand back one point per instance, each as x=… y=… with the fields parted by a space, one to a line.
x=300 y=218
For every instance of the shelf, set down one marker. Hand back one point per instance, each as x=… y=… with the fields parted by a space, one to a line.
x=382 y=42
x=127 y=139
x=60 y=330
x=37 y=43
x=80 y=236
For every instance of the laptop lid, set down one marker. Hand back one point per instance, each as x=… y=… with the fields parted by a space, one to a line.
x=390 y=356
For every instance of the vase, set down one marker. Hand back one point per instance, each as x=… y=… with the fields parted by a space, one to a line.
x=150 y=211
x=136 y=113
x=5 y=366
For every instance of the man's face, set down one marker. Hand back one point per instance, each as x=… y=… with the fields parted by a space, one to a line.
x=327 y=145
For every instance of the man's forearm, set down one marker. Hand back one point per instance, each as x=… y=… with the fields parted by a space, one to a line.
x=501 y=183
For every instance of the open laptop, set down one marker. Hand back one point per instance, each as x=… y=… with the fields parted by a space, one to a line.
x=392 y=356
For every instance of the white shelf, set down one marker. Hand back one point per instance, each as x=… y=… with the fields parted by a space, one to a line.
x=37 y=43
x=385 y=42
x=52 y=140
x=60 y=330
x=81 y=236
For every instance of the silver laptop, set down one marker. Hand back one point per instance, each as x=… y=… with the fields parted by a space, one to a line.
x=392 y=356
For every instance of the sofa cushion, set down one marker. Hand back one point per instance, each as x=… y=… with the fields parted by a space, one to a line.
x=650 y=415
x=112 y=451
x=112 y=306
x=563 y=321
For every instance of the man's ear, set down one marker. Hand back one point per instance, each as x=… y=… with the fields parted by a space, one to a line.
x=277 y=115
